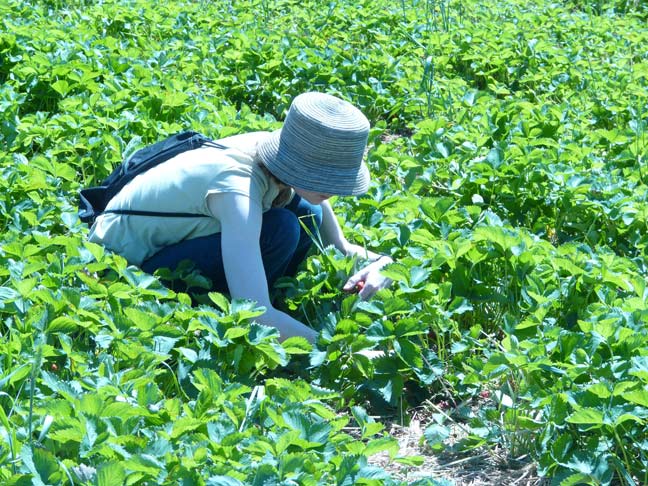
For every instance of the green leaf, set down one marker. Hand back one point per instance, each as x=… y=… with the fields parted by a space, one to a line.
x=110 y=474
x=243 y=309
x=20 y=480
x=221 y=301
x=266 y=475
x=371 y=307
x=583 y=462
x=91 y=404
x=90 y=437
x=274 y=353
x=585 y=415
x=8 y=294
x=562 y=447
x=389 y=388
x=68 y=389
x=412 y=461
x=625 y=417
x=418 y=275
x=310 y=429
x=459 y=305
x=236 y=332
x=140 y=319
x=97 y=251
x=639 y=397
x=292 y=463
x=189 y=354
x=577 y=480
x=184 y=425
x=639 y=367
x=259 y=333
x=15 y=375
x=360 y=415
x=63 y=324
x=436 y=434
x=297 y=345
x=144 y=463
x=46 y=465
x=371 y=429
x=27 y=456
x=372 y=476
x=122 y=410
x=223 y=481
x=61 y=87
x=317 y=357
x=206 y=378
x=382 y=444
x=600 y=390
x=397 y=272
x=552 y=369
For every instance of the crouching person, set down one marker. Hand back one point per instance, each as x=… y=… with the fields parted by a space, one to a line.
x=254 y=194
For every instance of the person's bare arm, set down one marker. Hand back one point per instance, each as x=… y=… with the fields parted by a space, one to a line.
x=240 y=220
x=332 y=234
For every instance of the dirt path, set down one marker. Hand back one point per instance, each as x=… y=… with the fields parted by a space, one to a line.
x=478 y=469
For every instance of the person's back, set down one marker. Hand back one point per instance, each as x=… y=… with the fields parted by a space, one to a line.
x=182 y=184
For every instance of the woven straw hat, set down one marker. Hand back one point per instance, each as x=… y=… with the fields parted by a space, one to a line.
x=320 y=147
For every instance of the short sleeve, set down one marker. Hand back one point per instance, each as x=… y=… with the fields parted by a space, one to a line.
x=239 y=179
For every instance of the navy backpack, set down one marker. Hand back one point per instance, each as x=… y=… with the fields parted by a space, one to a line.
x=93 y=200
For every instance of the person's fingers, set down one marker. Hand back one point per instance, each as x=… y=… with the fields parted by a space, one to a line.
x=366 y=282
x=348 y=286
x=352 y=282
x=367 y=291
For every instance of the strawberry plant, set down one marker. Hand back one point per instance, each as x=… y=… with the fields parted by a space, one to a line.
x=508 y=154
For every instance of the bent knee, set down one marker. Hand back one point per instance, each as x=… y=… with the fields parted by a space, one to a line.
x=312 y=218
x=281 y=223
x=316 y=216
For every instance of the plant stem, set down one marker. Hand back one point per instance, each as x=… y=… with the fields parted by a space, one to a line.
x=32 y=385
x=623 y=449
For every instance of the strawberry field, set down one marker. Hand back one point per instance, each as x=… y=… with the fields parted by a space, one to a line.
x=509 y=157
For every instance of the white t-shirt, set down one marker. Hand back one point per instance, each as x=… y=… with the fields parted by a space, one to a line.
x=179 y=185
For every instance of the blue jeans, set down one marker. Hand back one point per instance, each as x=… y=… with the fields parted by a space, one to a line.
x=284 y=245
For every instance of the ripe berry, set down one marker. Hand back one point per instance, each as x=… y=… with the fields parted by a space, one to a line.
x=54 y=367
x=484 y=394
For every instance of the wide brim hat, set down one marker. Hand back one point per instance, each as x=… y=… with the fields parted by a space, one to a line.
x=320 y=147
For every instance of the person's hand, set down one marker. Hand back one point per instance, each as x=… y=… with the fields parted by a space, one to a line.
x=369 y=280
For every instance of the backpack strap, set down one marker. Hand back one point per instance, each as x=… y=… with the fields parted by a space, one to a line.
x=135 y=212
x=203 y=141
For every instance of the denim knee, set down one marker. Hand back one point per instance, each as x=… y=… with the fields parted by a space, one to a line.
x=280 y=232
x=312 y=218
x=309 y=215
